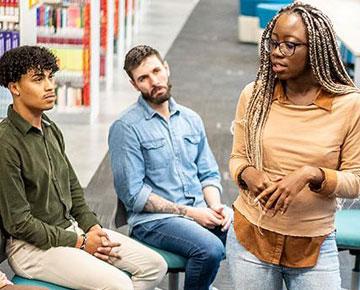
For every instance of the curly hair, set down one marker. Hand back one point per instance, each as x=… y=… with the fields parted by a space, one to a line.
x=18 y=61
x=136 y=55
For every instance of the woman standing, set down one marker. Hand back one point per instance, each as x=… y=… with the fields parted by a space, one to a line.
x=295 y=149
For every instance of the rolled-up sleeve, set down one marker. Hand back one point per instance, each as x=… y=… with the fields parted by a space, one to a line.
x=128 y=167
x=238 y=160
x=208 y=170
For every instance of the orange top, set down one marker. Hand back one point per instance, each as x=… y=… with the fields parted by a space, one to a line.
x=324 y=134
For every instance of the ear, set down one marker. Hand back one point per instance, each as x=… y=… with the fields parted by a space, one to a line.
x=166 y=65
x=14 y=89
x=134 y=85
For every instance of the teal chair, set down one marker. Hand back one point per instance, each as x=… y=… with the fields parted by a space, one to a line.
x=348 y=239
x=24 y=281
x=176 y=263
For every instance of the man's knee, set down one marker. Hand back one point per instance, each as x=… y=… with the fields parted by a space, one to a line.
x=117 y=283
x=214 y=251
x=157 y=268
x=161 y=266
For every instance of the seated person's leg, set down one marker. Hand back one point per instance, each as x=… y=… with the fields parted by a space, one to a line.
x=184 y=237
x=5 y=284
x=146 y=266
x=66 y=266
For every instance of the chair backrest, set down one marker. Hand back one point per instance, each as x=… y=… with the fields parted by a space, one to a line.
x=120 y=214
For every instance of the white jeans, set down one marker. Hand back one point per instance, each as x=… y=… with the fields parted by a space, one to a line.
x=75 y=268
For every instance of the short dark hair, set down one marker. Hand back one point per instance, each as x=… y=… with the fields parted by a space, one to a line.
x=18 y=61
x=136 y=55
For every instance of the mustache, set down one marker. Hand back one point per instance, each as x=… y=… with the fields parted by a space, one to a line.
x=156 y=88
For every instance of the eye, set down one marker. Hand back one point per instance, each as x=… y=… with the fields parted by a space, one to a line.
x=156 y=70
x=289 y=45
x=273 y=43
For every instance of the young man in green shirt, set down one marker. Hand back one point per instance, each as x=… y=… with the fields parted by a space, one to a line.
x=53 y=234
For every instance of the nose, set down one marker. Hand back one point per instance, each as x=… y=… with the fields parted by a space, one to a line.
x=276 y=51
x=49 y=84
x=154 y=79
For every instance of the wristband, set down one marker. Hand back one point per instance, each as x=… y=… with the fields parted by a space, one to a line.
x=83 y=244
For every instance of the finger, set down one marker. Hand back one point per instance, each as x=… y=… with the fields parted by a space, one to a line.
x=285 y=206
x=227 y=217
x=104 y=241
x=279 y=203
x=108 y=252
x=266 y=192
x=277 y=179
x=226 y=226
x=217 y=215
x=115 y=254
x=216 y=221
x=102 y=256
x=272 y=199
x=113 y=244
x=104 y=250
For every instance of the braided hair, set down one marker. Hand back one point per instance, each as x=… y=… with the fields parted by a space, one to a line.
x=325 y=63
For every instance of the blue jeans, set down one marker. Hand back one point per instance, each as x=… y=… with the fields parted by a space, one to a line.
x=249 y=273
x=203 y=248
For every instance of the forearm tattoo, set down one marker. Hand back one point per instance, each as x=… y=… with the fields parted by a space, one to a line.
x=158 y=204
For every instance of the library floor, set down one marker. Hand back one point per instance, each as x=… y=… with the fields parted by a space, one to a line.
x=209 y=67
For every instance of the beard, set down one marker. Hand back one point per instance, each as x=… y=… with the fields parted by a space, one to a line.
x=158 y=100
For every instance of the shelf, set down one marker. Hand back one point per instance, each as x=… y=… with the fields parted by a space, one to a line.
x=74 y=78
x=9 y=18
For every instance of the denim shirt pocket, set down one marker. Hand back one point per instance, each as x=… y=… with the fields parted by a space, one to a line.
x=156 y=154
x=191 y=145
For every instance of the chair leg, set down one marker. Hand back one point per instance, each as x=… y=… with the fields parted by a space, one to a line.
x=173 y=281
x=355 y=279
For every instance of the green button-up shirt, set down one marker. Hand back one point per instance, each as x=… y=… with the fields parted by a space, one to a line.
x=39 y=192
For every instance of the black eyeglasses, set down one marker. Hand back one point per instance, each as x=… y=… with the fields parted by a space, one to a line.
x=287 y=48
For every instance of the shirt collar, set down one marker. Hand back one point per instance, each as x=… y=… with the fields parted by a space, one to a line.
x=149 y=112
x=324 y=99
x=23 y=125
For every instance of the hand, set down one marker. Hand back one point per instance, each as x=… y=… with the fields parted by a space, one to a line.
x=256 y=181
x=226 y=214
x=4 y=280
x=205 y=216
x=94 y=240
x=282 y=193
x=95 y=227
x=106 y=250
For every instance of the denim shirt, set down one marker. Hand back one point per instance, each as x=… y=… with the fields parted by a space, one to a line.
x=170 y=158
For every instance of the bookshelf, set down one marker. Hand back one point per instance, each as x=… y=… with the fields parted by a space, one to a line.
x=84 y=35
x=9 y=25
x=70 y=30
x=9 y=38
